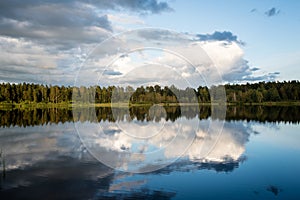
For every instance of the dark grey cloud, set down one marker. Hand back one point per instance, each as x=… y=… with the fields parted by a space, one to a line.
x=70 y=20
x=219 y=36
x=253 y=10
x=272 y=12
x=53 y=22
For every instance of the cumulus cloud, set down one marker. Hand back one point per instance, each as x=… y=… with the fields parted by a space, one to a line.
x=39 y=39
x=272 y=12
x=173 y=59
x=231 y=64
x=25 y=61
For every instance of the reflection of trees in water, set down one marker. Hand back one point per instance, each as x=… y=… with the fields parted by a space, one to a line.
x=264 y=113
x=31 y=117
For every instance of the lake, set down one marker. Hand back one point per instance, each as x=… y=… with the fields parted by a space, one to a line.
x=150 y=153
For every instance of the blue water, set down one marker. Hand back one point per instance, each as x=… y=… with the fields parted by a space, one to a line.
x=50 y=162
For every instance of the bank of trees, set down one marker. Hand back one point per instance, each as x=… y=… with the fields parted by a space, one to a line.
x=264 y=92
x=238 y=93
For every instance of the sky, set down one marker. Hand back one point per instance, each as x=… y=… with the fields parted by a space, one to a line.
x=138 y=42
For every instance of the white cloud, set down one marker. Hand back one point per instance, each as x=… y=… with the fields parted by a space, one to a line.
x=189 y=62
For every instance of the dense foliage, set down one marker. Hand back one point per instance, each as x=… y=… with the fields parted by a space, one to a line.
x=238 y=93
x=264 y=92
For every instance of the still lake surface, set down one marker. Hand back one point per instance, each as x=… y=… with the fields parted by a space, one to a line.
x=254 y=153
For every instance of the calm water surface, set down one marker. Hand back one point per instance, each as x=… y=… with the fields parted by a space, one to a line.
x=256 y=156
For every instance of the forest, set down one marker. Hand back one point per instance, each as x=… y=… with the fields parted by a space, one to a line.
x=287 y=91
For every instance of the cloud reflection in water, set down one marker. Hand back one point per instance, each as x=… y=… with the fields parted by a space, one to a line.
x=50 y=158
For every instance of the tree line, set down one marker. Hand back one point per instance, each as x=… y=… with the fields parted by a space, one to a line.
x=235 y=93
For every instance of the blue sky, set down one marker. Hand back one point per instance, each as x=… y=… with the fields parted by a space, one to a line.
x=47 y=41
